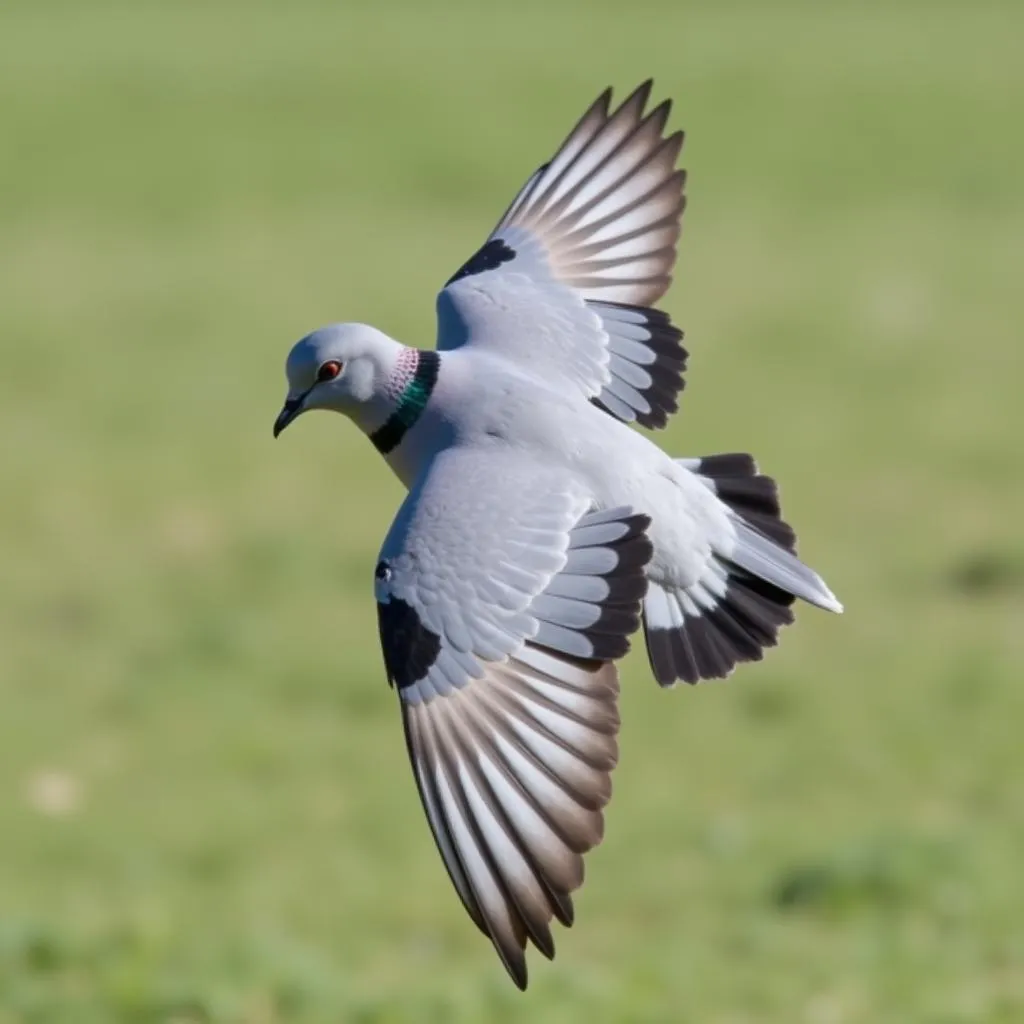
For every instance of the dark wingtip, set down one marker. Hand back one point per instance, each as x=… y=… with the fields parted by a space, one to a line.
x=602 y=103
x=660 y=114
x=641 y=93
x=517 y=972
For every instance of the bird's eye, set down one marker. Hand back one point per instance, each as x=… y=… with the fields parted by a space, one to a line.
x=328 y=370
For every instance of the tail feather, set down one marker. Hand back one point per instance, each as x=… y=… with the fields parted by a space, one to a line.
x=752 y=496
x=761 y=557
x=708 y=643
x=744 y=596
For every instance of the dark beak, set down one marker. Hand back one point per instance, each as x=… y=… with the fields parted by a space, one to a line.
x=291 y=409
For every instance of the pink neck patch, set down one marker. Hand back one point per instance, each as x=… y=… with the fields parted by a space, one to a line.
x=405 y=370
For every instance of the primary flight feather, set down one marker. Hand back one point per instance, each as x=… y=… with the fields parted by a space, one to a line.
x=540 y=530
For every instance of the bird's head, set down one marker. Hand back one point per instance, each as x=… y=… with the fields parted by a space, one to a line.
x=344 y=367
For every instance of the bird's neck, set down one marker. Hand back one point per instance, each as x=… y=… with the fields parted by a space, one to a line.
x=407 y=393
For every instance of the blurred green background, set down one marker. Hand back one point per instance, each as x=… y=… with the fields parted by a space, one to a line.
x=206 y=814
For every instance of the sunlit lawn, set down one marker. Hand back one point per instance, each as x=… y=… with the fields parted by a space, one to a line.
x=206 y=813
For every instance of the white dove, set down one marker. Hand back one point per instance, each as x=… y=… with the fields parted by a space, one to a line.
x=539 y=528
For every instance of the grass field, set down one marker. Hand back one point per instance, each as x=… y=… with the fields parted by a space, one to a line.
x=206 y=814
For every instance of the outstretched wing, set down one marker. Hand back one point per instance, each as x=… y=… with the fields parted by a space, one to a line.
x=502 y=598
x=566 y=282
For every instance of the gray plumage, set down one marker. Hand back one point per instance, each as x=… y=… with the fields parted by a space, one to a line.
x=539 y=529
x=510 y=720
x=588 y=246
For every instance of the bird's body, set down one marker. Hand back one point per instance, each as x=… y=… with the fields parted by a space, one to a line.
x=540 y=530
x=482 y=403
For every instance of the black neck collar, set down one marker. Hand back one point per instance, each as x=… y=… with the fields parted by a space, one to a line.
x=411 y=403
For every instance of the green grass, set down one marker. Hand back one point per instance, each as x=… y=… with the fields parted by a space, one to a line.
x=206 y=813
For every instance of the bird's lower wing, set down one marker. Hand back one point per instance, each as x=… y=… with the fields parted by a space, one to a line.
x=513 y=771
x=503 y=599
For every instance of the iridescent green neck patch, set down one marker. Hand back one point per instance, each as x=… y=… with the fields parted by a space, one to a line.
x=411 y=403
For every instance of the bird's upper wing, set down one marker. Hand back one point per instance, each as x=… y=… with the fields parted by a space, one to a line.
x=565 y=283
x=502 y=598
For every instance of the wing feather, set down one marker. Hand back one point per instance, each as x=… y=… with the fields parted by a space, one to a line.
x=577 y=262
x=502 y=601
x=514 y=784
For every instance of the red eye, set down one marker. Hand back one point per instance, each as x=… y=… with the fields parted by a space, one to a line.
x=328 y=370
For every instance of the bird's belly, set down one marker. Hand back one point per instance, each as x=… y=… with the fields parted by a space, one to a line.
x=623 y=467
x=617 y=466
x=614 y=463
